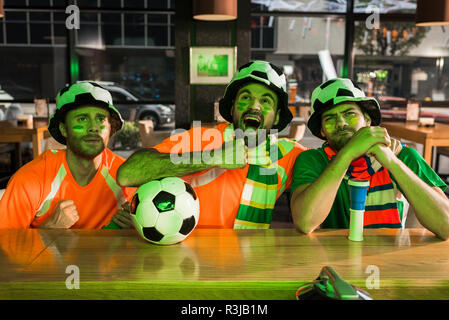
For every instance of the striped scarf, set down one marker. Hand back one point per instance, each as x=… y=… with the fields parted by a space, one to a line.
x=259 y=193
x=381 y=209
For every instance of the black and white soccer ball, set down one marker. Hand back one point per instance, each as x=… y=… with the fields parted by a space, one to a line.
x=165 y=211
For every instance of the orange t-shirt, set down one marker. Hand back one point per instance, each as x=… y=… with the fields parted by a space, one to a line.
x=219 y=190
x=34 y=191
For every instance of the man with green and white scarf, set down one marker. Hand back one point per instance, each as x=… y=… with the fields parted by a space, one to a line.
x=238 y=168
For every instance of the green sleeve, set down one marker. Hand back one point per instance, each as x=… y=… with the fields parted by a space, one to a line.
x=308 y=167
x=111 y=225
x=419 y=166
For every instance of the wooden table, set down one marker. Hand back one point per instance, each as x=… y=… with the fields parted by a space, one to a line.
x=218 y=264
x=23 y=134
x=437 y=136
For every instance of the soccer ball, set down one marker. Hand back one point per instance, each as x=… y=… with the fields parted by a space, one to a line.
x=165 y=211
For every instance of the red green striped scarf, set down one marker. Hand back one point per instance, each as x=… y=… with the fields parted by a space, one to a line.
x=381 y=209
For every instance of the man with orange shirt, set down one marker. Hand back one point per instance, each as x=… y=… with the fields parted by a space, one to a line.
x=237 y=170
x=74 y=187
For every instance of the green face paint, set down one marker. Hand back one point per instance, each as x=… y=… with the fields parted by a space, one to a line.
x=255 y=107
x=78 y=128
x=242 y=105
x=341 y=122
x=89 y=130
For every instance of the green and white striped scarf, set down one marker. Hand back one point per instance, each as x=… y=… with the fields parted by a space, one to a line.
x=260 y=190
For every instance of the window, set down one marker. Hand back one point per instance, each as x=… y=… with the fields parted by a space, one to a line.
x=111 y=28
x=398 y=59
x=15 y=3
x=59 y=29
x=297 y=51
x=299 y=5
x=403 y=60
x=16 y=28
x=159 y=30
x=133 y=49
x=88 y=34
x=134 y=27
x=148 y=73
x=386 y=6
x=40 y=28
x=38 y=72
x=263 y=32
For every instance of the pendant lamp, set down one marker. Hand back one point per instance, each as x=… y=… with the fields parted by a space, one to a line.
x=2 y=11
x=432 y=13
x=215 y=10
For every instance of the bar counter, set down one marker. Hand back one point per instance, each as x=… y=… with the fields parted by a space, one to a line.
x=218 y=264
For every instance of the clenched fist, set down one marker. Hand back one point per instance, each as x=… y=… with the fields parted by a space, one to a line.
x=364 y=139
x=232 y=155
x=63 y=216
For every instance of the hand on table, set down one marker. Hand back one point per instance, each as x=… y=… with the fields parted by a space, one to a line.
x=123 y=217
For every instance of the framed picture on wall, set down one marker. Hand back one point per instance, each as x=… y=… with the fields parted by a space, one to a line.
x=212 y=65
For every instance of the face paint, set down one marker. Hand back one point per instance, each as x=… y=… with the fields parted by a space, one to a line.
x=341 y=122
x=89 y=131
x=78 y=128
x=255 y=107
x=330 y=128
x=241 y=105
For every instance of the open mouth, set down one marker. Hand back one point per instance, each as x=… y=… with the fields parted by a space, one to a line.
x=252 y=121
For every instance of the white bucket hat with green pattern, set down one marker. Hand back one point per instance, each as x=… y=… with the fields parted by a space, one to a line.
x=265 y=73
x=335 y=91
x=82 y=94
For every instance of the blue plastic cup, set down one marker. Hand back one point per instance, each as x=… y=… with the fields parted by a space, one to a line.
x=357 y=193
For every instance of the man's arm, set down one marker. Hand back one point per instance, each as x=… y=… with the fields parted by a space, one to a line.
x=149 y=164
x=430 y=203
x=311 y=204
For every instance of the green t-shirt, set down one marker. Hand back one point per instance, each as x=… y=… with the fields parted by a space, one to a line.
x=311 y=163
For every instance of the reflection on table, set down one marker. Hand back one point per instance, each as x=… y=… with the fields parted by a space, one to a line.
x=218 y=264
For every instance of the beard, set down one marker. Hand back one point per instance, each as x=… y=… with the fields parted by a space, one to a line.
x=83 y=149
x=340 y=138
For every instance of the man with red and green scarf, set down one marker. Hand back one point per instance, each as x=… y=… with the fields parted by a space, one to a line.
x=357 y=147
